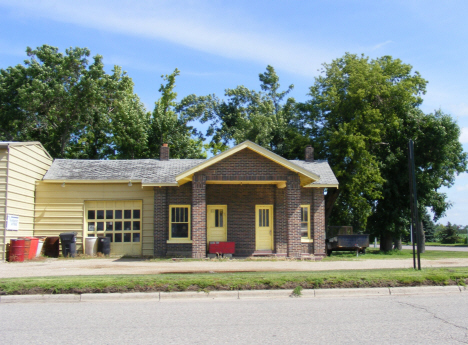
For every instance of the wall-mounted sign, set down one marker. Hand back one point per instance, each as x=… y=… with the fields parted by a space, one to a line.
x=12 y=222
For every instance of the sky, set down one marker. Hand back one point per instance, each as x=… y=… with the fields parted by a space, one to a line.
x=222 y=44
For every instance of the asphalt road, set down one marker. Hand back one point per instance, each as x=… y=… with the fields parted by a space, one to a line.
x=428 y=319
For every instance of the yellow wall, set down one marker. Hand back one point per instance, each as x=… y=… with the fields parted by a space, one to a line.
x=28 y=162
x=61 y=209
x=3 y=174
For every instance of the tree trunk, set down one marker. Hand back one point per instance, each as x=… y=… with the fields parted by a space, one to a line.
x=422 y=236
x=397 y=243
x=330 y=198
x=386 y=242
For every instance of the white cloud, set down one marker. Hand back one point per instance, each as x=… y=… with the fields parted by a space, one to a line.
x=380 y=45
x=464 y=135
x=193 y=25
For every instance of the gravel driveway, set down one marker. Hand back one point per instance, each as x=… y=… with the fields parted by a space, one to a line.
x=67 y=267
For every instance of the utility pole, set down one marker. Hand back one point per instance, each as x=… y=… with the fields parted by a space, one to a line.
x=415 y=224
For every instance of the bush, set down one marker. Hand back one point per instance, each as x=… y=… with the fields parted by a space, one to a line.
x=449 y=235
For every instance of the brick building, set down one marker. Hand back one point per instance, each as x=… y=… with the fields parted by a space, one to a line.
x=173 y=207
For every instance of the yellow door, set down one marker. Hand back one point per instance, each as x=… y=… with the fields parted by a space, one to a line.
x=216 y=223
x=264 y=227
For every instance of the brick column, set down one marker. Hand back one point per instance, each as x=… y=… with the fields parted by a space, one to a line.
x=318 y=212
x=161 y=224
x=199 y=216
x=293 y=212
x=281 y=231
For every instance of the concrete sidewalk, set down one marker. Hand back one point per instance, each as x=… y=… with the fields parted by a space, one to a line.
x=107 y=266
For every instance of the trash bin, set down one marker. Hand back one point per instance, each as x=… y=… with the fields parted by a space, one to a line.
x=91 y=246
x=104 y=245
x=68 y=240
x=27 y=247
x=16 y=250
x=33 y=248
x=51 y=247
x=40 y=244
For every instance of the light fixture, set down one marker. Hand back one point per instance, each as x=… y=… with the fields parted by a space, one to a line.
x=63 y=185
x=129 y=183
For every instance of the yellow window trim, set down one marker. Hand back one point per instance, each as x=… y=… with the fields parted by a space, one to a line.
x=180 y=239
x=308 y=239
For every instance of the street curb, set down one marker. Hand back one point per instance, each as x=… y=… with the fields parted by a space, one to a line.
x=418 y=290
x=235 y=294
x=352 y=292
x=39 y=298
x=93 y=297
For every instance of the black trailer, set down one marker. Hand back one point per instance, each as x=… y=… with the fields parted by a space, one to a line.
x=341 y=238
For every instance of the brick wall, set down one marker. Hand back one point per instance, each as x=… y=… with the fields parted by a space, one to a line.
x=160 y=221
x=199 y=216
x=246 y=165
x=281 y=225
x=241 y=201
x=319 y=222
x=293 y=207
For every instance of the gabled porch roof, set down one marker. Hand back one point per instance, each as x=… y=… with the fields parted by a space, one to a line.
x=307 y=177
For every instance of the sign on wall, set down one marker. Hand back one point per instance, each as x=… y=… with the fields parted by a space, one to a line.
x=12 y=222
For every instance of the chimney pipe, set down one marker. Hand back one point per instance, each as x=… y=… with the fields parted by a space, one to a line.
x=309 y=153
x=164 y=153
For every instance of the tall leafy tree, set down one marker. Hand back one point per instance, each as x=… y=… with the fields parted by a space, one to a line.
x=63 y=101
x=169 y=125
x=362 y=113
x=267 y=117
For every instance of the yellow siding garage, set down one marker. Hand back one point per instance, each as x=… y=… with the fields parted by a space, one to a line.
x=3 y=188
x=21 y=165
x=64 y=207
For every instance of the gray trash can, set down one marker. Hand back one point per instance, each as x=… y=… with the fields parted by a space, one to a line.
x=104 y=245
x=68 y=240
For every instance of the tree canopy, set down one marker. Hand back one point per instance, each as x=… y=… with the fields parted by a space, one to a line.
x=77 y=110
x=267 y=117
x=363 y=113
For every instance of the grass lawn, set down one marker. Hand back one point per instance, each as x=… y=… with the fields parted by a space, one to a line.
x=234 y=281
x=373 y=254
x=437 y=244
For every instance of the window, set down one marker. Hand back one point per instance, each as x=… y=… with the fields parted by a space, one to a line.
x=105 y=219
x=179 y=223
x=305 y=223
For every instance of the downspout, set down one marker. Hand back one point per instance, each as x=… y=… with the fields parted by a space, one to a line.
x=6 y=205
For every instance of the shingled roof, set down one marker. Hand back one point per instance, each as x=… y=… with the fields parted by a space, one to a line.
x=151 y=171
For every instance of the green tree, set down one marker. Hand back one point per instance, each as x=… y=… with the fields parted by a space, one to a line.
x=429 y=227
x=449 y=234
x=266 y=117
x=63 y=101
x=169 y=125
x=362 y=113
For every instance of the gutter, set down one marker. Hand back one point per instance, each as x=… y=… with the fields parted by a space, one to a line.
x=6 y=205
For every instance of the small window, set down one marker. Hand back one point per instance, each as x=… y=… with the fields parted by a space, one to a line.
x=179 y=222
x=128 y=214
x=219 y=218
x=109 y=214
x=305 y=222
x=91 y=215
x=136 y=214
x=100 y=214
x=118 y=214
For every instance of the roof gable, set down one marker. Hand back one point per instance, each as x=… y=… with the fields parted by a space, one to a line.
x=306 y=176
